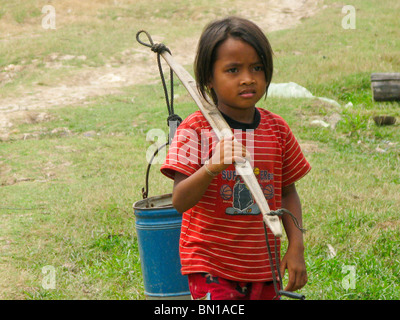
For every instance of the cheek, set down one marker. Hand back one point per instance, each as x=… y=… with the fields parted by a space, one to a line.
x=262 y=82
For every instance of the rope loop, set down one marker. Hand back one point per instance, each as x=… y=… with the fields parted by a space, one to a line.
x=148 y=37
x=282 y=211
x=155 y=47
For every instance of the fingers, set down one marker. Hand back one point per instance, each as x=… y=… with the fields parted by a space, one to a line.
x=290 y=285
x=297 y=280
x=234 y=149
x=228 y=151
x=295 y=284
x=297 y=274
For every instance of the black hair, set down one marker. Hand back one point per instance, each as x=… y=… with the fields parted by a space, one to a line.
x=214 y=34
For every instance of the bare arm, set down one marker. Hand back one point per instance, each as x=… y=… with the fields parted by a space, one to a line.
x=188 y=190
x=294 y=257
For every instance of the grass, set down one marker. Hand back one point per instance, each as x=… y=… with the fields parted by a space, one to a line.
x=66 y=191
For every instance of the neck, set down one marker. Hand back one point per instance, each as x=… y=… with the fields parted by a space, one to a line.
x=240 y=115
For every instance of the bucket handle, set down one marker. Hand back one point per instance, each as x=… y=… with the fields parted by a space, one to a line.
x=145 y=190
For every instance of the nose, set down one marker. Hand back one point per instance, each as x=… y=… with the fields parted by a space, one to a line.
x=247 y=79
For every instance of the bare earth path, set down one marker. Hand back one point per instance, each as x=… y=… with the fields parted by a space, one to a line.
x=137 y=65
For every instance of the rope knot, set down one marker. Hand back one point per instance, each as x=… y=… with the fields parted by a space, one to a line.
x=174 y=117
x=159 y=48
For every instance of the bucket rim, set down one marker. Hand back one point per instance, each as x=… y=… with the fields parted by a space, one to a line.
x=145 y=204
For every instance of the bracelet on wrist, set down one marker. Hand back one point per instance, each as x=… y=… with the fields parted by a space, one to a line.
x=209 y=172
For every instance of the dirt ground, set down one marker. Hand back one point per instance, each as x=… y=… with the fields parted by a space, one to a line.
x=136 y=67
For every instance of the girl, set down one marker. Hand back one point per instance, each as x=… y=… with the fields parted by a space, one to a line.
x=223 y=245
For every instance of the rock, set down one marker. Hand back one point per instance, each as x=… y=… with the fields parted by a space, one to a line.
x=288 y=90
x=384 y=120
x=320 y=123
x=293 y=90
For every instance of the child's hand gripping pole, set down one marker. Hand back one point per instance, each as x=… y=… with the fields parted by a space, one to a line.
x=221 y=128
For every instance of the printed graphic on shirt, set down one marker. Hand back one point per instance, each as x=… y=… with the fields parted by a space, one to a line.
x=242 y=201
x=268 y=191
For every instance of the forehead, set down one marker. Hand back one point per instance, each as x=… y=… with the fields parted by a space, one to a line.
x=236 y=50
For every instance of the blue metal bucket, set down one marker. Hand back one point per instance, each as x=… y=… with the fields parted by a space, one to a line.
x=158 y=227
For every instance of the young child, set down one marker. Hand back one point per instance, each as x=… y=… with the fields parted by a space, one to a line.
x=223 y=246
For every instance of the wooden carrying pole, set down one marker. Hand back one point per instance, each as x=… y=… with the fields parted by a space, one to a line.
x=222 y=130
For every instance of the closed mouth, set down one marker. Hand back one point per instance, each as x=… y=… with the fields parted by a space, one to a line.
x=247 y=93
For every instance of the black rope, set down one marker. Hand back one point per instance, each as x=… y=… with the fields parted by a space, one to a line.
x=271 y=262
x=173 y=118
x=159 y=48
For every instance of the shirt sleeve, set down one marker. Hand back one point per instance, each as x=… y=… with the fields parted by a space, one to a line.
x=295 y=165
x=184 y=154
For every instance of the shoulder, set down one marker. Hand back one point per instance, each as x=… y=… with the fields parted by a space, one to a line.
x=195 y=120
x=194 y=125
x=274 y=121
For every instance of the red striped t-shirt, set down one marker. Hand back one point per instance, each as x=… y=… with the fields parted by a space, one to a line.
x=223 y=234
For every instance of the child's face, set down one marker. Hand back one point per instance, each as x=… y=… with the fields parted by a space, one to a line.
x=238 y=76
